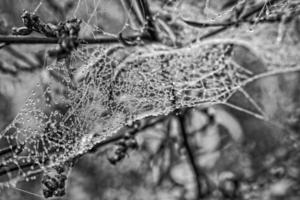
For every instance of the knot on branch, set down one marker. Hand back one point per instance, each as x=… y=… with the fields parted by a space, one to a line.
x=121 y=148
x=67 y=32
x=32 y=23
x=54 y=180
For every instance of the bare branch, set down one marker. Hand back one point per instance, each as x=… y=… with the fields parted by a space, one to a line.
x=20 y=56
x=144 y=6
x=44 y=40
x=199 y=175
x=244 y=17
x=101 y=144
x=6 y=70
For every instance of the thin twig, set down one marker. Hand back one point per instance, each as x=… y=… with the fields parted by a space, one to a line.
x=244 y=17
x=2 y=45
x=21 y=56
x=134 y=17
x=121 y=135
x=44 y=40
x=191 y=158
x=207 y=24
x=143 y=4
x=231 y=23
x=5 y=70
x=8 y=150
x=101 y=144
x=17 y=167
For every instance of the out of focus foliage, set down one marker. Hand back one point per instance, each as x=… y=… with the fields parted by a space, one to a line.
x=243 y=156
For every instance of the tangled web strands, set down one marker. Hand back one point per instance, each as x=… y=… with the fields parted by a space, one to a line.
x=112 y=94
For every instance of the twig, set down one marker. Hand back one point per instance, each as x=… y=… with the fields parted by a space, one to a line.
x=29 y=67
x=44 y=40
x=244 y=17
x=103 y=143
x=231 y=23
x=7 y=150
x=17 y=167
x=143 y=4
x=198 y=174
x=120 y=136
x=20 y=56
x=134 y=17
x=5 y=70
x=205 y=24
x=2 y=45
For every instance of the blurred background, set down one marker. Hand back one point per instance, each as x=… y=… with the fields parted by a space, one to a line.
x=258 y=157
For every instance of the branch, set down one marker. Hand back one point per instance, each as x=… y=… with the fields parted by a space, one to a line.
x=2 y=45
x=20 y=168
x=20 y=56
x=134 y=17
x=5 y=70
x=7 y=150
x=44 y=40
x=120 y=136
x=232 y=23
x=244 y=17
x=143 y=4
x=101 y=144
x=206 y=24
x=197 y=172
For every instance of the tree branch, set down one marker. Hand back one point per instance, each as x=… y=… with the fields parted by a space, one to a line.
x=101 y=144
x=5 y=70
x=143 y=4
x=231 y=23
x=120 y=136
x=201 y=190
x=244 y=17
x=44 y=40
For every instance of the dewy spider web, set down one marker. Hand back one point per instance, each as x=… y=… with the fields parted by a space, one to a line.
x=111 y=92
x=111 y=95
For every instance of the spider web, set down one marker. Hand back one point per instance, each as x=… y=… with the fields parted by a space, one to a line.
x=104 y=90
